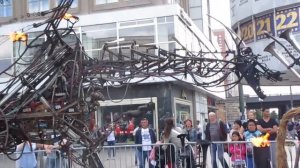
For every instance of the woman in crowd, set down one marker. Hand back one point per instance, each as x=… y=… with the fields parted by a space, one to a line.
x=169 y=135
x=237 y=126
x=190 y=131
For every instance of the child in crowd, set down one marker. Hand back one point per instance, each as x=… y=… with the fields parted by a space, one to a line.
x=251 y=132
x=237 y=151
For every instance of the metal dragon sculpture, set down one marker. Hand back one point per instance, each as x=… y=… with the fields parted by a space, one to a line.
x=61 y=67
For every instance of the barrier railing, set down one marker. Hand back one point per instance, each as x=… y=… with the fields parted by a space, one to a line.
x=242 y=154
x=120 y=156
x=237 y=154
x=35 y=158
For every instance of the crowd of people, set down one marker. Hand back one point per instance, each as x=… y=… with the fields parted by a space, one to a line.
x=235 y=141
x=242 y=153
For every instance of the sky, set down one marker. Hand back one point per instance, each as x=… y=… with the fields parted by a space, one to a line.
x=220 y=9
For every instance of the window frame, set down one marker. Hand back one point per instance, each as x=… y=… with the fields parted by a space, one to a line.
x=71 y=8
x=95 y=2
x=28 y=10
x=12 y=10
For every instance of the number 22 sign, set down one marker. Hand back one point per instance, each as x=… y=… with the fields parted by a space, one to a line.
x=288 y=18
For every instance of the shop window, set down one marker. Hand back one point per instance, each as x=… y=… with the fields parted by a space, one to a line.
x=6 y=8
x=5 y=54
x=100 y=2
x=165 y=19
x=4 y=63
x=183 y=109
x=74 y=4
x=29 y=55
x=94 y=37
x=125 y=124
x=195 y=3
x=165 y=32
x=140 y=34
x=37 y=5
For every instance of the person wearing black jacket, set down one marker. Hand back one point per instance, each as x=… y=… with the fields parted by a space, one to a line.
x=216 y=131
x=146 y=137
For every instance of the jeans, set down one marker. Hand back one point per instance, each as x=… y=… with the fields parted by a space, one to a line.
x=52 y=163
x=111 y=149
x=273 y=154
x=250 y=162
x=136 y=156
x=218 y=148
x=142 y=158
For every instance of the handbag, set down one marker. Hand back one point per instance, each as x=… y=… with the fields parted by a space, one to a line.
x=152 y=154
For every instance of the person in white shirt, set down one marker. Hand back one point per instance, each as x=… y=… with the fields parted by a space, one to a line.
x=146 y=137
x=27 y=155
x=111 y=141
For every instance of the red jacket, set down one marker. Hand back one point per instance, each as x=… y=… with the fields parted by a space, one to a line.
x=237 y=151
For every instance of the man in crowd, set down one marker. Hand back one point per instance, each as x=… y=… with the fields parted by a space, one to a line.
x=216 y=131
x=269 y=125
x=146 y=137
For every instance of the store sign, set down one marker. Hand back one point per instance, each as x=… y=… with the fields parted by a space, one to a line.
x=273 y=23
x=264 y=23
x=288 y=18
x=242 y=9
x=247 y=31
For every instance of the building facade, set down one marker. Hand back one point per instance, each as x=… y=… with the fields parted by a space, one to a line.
x=251 y=18
x=169 y=27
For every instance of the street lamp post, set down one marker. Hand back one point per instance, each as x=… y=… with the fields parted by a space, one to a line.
x=241 y=100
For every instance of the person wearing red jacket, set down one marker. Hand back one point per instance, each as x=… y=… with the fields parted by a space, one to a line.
x=237 y=151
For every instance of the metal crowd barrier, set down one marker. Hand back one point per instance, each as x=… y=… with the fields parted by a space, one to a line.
x=166 y=155
x=123 y=156
x=242 y=154
x=44 y=160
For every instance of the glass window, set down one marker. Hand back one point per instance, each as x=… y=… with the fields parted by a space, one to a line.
x=110 y=112
x=99 y=27
x=28 y=56
x=5 y=54
x=195 y=13
x=183 y=112
x=165 y=32
x=199 y=23
x=137 y=22
x=105 y=1
x=74 y=4
x=165 y=19
x=6 y=8
x=195 y=3
x=96 y=39
x=180 y=33
x=37 y=5
x=4 y=63
x=168 y=46
x=142 y=35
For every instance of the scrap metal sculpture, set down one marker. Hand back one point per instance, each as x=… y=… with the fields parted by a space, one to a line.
x=61 y=78
x=295 y=61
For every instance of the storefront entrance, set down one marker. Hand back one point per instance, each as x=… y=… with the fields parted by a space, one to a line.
x=110 y=110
